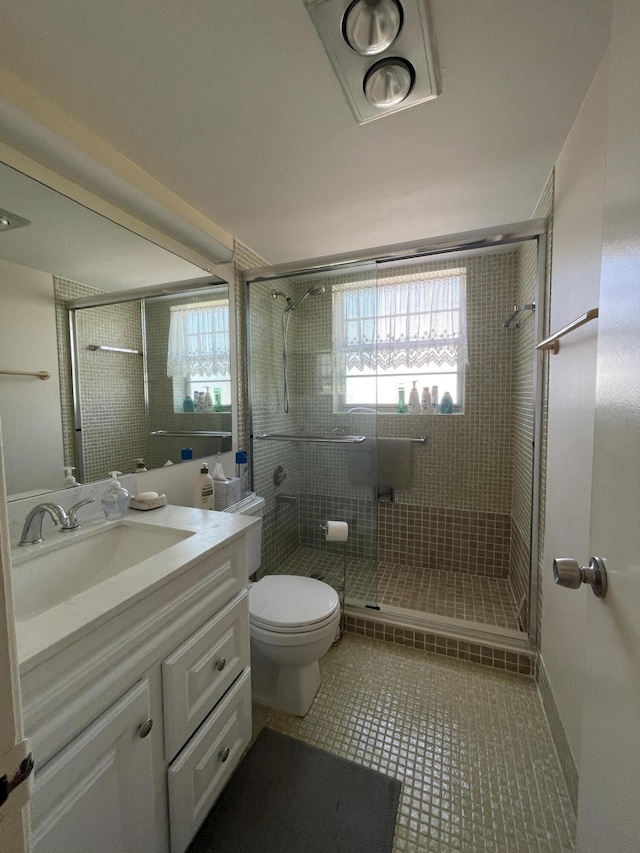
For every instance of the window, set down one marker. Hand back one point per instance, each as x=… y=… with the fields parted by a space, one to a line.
x=198 y=355
x=400 y=330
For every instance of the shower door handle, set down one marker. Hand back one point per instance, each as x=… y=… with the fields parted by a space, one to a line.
x=568 y=572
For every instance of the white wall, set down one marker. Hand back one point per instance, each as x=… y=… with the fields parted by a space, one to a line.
x=577 y=242
x=29 y=407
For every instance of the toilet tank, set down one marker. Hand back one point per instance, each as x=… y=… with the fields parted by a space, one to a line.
x=251 y=505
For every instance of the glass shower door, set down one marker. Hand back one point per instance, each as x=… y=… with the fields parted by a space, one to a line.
x=306 y=462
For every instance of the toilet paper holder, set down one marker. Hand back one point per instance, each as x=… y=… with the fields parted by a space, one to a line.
x=342 y=537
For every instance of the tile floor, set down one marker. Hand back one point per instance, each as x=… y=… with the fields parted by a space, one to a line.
x=474 y=598
x=471 y=746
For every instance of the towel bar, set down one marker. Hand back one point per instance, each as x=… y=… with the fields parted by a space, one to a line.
x=553 y=341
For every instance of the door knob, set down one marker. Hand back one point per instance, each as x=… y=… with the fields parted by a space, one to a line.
x=569 y=573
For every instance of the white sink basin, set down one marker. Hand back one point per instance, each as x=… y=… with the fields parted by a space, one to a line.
x=68 y=568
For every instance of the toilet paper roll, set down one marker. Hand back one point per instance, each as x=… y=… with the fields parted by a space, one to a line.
x=337 y=531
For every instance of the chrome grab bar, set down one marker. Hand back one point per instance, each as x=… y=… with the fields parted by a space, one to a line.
x=325 y=439
x=328 y=439
x=198 y=433
x=102 y=348
x=553 y=341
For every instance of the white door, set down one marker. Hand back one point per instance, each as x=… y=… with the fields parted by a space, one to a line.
x=609 y=800
x=14 y=818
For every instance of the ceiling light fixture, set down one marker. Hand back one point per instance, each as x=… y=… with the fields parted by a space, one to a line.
x=371 y=26
x=10 y=221
x=382 y=51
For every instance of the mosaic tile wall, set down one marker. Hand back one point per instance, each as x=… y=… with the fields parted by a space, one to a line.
x=65 y=290
x=112 y=389
x=243 y=259
x=379 y=628
x=161 y=413
x=280 y=521
x=112 y=397
x=452 y=540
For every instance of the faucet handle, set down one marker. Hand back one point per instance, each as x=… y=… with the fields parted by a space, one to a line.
x=72 y=522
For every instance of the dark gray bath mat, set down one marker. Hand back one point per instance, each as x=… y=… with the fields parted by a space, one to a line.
x=289 y=797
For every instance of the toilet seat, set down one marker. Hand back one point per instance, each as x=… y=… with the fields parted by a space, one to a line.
x=289 y=604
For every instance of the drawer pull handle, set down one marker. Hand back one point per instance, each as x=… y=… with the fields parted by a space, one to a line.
x=220 y=664
x=224 y=754
x=145 y=727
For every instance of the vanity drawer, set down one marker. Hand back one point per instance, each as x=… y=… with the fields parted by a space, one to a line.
x=200 y=671
x=200 y=772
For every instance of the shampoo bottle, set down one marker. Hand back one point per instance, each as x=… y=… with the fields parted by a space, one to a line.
x=204 y=489
x=425 y=401
x=446 y=404
x=208 y=401
x=414 y=400
x=115 y=502
x=434 y=399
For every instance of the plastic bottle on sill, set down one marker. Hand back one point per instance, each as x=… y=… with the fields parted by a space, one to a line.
x=434 y=399
x=446 y=404
x=401 y=408
x=425 y=401
x=414 y=400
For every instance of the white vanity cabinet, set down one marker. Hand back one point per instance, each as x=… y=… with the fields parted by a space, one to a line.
x=97 y=794
x=137 y=725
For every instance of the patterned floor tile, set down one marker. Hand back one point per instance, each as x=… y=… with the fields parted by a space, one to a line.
x=470 y=745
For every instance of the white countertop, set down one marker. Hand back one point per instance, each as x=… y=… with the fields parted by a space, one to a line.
x=49 y=632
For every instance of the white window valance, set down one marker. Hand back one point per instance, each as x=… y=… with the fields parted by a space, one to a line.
x=199 y=340
x=403 y=323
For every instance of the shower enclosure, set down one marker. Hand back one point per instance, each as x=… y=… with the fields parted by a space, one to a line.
x=442 y=507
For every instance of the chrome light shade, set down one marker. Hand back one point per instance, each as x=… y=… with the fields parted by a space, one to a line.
x=388 y=82
x=396 y=33
x=9 y=221
x=371 y=26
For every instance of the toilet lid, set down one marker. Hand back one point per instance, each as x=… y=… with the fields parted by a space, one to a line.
x=289 y=601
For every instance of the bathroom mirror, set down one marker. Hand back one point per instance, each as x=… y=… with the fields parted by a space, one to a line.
x=54 y=250
x=152 y=380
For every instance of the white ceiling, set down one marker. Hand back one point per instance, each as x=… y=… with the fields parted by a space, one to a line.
x=233 y=105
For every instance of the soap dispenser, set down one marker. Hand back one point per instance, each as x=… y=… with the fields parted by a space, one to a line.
x=115 y=502
x=218 y=470
x=69 y=480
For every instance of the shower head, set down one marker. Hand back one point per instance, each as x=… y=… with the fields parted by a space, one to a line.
x=276 y=293
x=313 y=291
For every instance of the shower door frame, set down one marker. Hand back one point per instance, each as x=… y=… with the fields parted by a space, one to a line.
x=485 y=238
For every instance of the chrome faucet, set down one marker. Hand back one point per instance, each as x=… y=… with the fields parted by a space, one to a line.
x=72 y=521
x=32 y=530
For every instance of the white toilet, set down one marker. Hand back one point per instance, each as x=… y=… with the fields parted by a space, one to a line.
x=293 y=622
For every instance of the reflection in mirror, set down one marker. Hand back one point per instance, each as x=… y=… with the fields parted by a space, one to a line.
x=152 y=381
x=82 y=253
